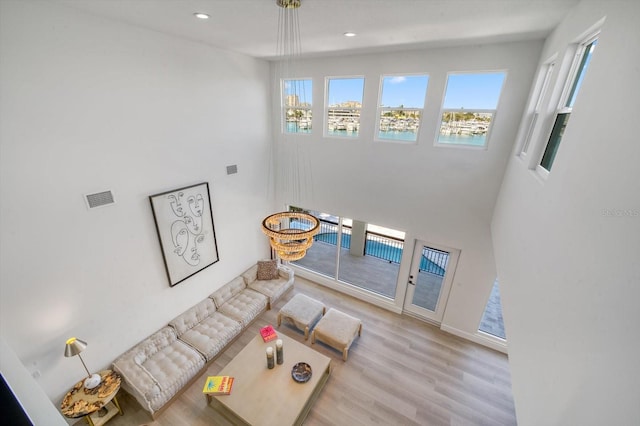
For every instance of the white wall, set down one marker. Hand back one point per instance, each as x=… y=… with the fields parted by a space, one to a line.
x=33 y=400
x=443 y=195
x=568 y=266
x=89 y=104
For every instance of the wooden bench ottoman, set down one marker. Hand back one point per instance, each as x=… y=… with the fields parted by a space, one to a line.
x=303 y=312
x=337 y=330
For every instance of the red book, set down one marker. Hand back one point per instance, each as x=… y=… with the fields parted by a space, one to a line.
x=268 y=333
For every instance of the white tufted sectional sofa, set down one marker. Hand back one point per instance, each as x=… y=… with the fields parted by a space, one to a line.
x=155 y=370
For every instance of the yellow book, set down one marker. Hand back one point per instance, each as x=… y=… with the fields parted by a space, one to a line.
x=218 y=385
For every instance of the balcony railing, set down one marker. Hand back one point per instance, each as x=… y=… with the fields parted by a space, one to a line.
x=329 y=234
x=383 y=247
x=376 y=245
x=434 y=261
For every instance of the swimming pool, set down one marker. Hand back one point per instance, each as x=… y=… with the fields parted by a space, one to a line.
x=380 y=250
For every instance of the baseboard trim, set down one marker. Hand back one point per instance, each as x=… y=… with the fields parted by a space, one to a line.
x=483 y=339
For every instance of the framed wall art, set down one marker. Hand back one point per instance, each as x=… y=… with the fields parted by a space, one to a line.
x=184 y=221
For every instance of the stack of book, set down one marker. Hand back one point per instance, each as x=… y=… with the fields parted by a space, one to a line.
x=218 y=385
x=268 y=333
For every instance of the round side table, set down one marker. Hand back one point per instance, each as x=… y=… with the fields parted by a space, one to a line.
x=96 y=405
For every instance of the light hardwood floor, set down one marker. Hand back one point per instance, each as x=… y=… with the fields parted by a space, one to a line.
x=401 y=371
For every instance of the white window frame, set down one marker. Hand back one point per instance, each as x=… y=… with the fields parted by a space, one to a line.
x=579 y=48
x=284 y=108
x=327 y=107
x=380 y=108
x=530 y=123
x=493 y=112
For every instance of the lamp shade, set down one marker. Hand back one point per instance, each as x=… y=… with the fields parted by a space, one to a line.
x=74 y=347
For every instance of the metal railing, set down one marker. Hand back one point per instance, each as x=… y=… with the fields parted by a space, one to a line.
x=376 y=245
x=434 y=261
x=329 y=234
x=383 y=247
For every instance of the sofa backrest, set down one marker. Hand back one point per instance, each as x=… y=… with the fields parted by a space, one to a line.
x=228 y=291
x=191 y=317
x=152 y=344
x=250 y=275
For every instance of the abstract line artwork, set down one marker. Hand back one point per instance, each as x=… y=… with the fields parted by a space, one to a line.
x=184 y=222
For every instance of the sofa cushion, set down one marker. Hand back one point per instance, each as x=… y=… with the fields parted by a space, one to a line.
x=275 y=288
x=190 y=318
x=267 y=270
x=153 y=344
x=212 y=334
x=227 y=291
x=172 y=367
x=139 y=368
x=245 y=306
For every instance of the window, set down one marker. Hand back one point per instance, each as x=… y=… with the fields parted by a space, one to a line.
x=567 y=100
x=321 y=256
x=469 y=108
x=492 y=321
x=400 y=107
x=541 y=89
x=296 y=106
x=355 y=253
x=344 y=102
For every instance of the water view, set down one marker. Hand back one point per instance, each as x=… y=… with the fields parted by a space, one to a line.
x=397 y=135
x=474 y=140
x=477 y=139
x=295 y=127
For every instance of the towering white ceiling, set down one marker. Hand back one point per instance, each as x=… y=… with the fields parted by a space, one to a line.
x=250 y=26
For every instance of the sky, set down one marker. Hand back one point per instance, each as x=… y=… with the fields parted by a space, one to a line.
x=345 y=89
x=300 y=87
x=473 y=91
x=464 y=90
x=407 y=91
x=581 y=71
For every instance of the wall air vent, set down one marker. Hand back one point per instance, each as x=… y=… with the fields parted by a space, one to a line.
x=99 y=199
x=233 y=169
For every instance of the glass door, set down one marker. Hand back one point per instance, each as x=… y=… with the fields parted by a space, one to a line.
x=432 y=270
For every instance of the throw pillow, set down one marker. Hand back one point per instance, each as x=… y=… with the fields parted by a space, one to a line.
x=267 y=270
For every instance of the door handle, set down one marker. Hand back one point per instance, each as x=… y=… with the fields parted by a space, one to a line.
x=412 y=283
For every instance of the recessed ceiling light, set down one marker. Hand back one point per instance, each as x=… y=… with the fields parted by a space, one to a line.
x=349 y=34
x=201 y=15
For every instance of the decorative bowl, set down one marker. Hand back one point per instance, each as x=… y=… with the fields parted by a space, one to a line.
x=301 y=372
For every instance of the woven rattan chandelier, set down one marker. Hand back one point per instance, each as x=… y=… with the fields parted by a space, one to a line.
x=290 y=233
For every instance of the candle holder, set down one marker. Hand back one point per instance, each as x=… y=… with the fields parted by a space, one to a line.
x=270 y=363
x=279 y=352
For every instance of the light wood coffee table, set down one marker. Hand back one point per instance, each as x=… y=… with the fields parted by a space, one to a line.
x=261 y=396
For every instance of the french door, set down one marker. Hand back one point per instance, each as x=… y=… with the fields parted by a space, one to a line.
x=432 y=271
